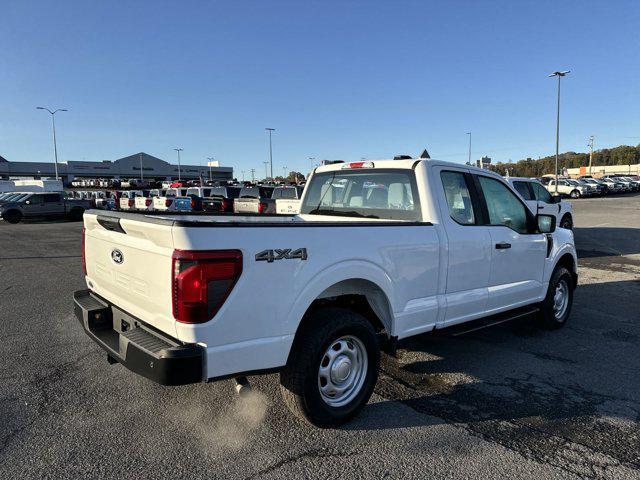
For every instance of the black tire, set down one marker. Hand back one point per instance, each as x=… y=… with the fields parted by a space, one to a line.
x=300 y=382
x=567 y=222
x=12 y=216
x=574 y=194
x=549 y=318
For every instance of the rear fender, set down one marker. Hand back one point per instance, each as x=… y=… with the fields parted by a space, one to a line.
x=352 y=277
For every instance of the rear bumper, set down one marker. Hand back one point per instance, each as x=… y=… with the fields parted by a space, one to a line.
x=135 y=345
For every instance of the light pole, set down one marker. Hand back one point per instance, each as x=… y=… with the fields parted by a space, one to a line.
x=469 y=133
x=312 y=159
x=210 y=159
x=179 y=150
x=284 y=173
x=270 y=130
x=242 y=175
x=53 y=126
x=266 y=171
x=559 y=75
x=140 y=155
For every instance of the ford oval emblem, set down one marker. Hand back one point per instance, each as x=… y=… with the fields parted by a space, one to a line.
x=117 y=256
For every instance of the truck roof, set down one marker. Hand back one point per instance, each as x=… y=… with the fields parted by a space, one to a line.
x=408 y=164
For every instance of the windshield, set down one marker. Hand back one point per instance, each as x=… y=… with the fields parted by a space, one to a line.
x=388 y=194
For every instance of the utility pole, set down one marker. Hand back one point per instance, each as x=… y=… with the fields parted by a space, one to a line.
x=469 y=161
x=559 y=75
x=590 y=152
x=266 y=171
x=179 y=150
x=210 y=159
x=270 y=130
x=253 y=175
x=53 y=126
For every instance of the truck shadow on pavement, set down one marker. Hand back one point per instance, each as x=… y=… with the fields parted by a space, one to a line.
x=606 y=241
x=530 y=390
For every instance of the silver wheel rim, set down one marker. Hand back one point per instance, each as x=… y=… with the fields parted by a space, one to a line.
x=342 y=371
x=560 y=300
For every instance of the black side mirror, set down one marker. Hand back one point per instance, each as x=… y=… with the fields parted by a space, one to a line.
x=546 y=223
x=556 y=199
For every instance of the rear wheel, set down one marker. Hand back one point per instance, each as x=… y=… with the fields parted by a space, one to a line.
x=12 y=216
x=332 y=368
x=556 y=307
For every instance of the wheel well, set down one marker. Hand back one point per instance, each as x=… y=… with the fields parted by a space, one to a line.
x=568 y=262
x=361 y=296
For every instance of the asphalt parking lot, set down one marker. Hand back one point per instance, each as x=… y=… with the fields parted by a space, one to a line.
x=510 y=401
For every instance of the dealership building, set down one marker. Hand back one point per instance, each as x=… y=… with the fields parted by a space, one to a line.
x=123 y=168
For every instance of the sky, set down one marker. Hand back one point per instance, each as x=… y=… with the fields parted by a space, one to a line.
x=336 y=79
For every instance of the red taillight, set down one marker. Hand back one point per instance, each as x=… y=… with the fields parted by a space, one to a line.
x=262 y=207
x=131 y=202
x=201 y=282
x=147 y=202
x=224 y=206
x=84 y=257
x=192 y=204
x=168 y=202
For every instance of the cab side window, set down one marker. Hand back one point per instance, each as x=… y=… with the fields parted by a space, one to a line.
x=458 y=198
x=523 y=189
x=540 y=193
x=503 y=206
x=35 y=200
x=51 y=197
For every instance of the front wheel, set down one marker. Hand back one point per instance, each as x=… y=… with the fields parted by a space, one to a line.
x=332 y=369
x=556 y=307
x=567 y=222
x=574 y=194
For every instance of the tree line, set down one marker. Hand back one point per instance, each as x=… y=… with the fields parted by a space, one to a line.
x=529 y=167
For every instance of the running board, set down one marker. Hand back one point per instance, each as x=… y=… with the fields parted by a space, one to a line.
x=492 y=321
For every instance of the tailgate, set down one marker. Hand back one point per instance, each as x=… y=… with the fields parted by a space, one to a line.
x=132 y=268
x=160 y=203
x=246 y=205
x=287 y=206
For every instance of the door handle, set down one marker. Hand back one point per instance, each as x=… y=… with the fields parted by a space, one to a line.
x=503 y=245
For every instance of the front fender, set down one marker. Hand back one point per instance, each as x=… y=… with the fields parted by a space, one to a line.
x=563 y=244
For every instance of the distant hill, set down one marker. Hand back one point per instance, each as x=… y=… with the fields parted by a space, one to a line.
x=529 y=167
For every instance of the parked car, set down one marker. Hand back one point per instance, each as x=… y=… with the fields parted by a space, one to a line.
x=146 y=203
x=43 y=205
x=441 y=245
x=603 y=188
x=221 y=199
x=287 y=199
x=254 y=199
x=128 y=199
x=167 y=202
x=614 y=185
x=634 y=185
x=569 y=188
x=540 y=200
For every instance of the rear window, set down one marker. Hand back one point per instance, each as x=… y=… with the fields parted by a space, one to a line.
x=388 y=194
x=287 y=192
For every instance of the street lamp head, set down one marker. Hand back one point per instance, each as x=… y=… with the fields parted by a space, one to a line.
x=40 y=108
x=270 y=129
x=559 y=74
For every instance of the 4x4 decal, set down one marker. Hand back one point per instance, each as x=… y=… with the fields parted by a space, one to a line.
x=281 y=254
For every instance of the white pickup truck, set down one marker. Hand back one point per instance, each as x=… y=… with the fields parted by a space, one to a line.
x=380 y=251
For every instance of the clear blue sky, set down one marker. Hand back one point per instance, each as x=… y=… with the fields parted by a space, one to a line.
x=339 y=79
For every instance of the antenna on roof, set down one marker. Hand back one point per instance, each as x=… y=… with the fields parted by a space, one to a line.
x=425 y=154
